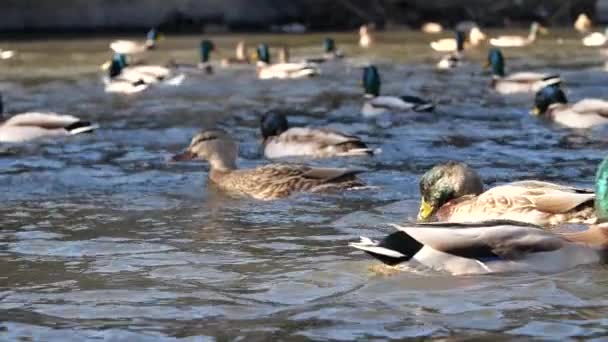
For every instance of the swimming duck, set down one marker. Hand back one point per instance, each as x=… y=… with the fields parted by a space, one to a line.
x=265 y=70
x=487 y=247
x=431 y=28
x=595 y=38
x=377 y=105
x=7 y=54
x=451 y=44
x=582 y=23
x=280 y=141
x=520 y=82
x=329 y=52
x=267 y=182
x=551 y=103
x=36 y=125
x=453 y=192
x=129 y=47
x=496 y=246
x=205 y=48
x=454 y=59
x=240 y=55
x=123 y=78
x=519 y=41
x=366 y=39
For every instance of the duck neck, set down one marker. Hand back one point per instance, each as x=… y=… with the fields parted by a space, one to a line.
x=222 y=164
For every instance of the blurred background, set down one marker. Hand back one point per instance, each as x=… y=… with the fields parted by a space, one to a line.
x=216 y=16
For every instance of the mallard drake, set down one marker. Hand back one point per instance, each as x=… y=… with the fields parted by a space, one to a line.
x=519 y=41
x=551 y=103
x=520 y=82
x=7 y=54
x=267 y=182
x=377 y=105
x=129 y=47
x=582 y=23
x=487 y=247
x=595 y=38
x=36 y=125
x=454 y=59
x=451 y=44
x=497 y=246
x=280 y=141
x=330 y=52
x=431 y=28
x=126 y=79
x=366 y=38
x=265 y=70
x=453 y=192
x=240 y=55
x=205 y=48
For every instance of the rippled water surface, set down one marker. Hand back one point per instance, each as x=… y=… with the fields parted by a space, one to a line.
x=102 y=237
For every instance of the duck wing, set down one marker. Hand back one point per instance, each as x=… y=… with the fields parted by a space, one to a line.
x=42 y=120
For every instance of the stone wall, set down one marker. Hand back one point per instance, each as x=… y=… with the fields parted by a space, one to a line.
x=193 y=15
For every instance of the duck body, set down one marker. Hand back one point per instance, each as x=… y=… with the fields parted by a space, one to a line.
x=520 y=82
x=130 y=47
x=268 y=182
x=453 y=44
x=486 y=247
x=453 y=192
x=7 y=54
x=266 y=71
x=595 y=39
x=126 y=79
x=517 y=41
x=551 y=103
x=330 y=53
x=203 y=67
x=32 y=126
x=453 y=59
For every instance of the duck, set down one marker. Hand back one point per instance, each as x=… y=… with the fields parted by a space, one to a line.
x=519 y=41
x=595 y=38
x=582 y=23
x=431 y=27
x=280 y=141
x=488 y=247
x=376 y=105
x=240 y=56
x=7 y=54
x=454 y=59
x=122 y=78
x=366 y=38
x=265 y=70
x=268 y=182
x=453 y=192
x=30 y=126
x=451 y=44
x=130 y=47
x=519 y=82
x=496 y=246
x=205 y=48
x=330 y=52
x=551 y=103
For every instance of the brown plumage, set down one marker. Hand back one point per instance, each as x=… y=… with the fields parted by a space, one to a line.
x=267 y=182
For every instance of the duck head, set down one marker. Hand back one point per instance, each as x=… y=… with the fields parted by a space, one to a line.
x=273 y=124
x=151 y=39
x=371 y=81
x=459 y=41
x=601 y=191
x=546 y=97
x=445 y=182
x=497 y=62
x=214 y=146
x=206 y=47
x=117 y=64
x=329 y=45
x=263 y=53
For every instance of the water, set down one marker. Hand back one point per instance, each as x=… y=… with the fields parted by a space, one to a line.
x=102 y=237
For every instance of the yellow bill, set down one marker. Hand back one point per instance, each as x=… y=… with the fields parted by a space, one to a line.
x=535 y=111
x=426 y=210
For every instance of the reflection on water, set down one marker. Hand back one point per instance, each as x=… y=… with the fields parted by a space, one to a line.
x=102 y=238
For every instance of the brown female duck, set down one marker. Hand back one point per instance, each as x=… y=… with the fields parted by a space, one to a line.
x=266 y=182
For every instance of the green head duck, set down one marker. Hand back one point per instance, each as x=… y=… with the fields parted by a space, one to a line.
x=205 y=49
x=371 y=80
x=263 y=53
x=547 y=96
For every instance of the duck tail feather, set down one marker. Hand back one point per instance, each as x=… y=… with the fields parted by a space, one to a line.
x=394 y=249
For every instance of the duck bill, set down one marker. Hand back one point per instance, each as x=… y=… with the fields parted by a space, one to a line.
x=426 y=210
x=535 y=111
x=186 y=155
